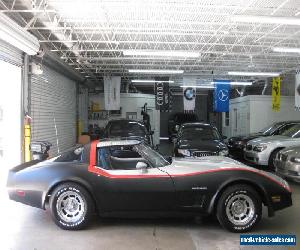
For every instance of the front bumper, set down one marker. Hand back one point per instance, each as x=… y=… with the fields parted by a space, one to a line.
x=288 y=170
x=258 y=158
x=236 y=151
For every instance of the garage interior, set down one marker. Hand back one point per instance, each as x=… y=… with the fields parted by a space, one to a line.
x=57 y=56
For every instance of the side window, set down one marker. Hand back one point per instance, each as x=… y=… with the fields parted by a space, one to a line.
x=125 y=158
x=74 y=155
x=103 y=158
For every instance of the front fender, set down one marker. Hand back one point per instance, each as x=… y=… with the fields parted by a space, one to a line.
x=259 y=188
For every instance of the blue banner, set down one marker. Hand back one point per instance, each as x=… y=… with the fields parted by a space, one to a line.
x=268 y=239
x=221 y=95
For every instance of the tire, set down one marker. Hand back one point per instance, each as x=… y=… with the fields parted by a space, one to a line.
x=272 y=158
x=71 y=206
x=248 y=209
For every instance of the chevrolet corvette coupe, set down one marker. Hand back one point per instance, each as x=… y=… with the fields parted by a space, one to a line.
x=129 y=178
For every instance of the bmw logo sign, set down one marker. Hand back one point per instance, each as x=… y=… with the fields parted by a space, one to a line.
x=189 y=93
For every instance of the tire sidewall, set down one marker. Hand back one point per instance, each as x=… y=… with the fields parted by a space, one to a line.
x=222 y=216
x=272 y=158
x=53 y=206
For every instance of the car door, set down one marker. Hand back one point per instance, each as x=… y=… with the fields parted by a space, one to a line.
x=123 y=188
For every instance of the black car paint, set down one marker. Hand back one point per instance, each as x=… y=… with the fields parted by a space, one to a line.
x=178 y=119
x=124 y=122
x=236 y=144
x=159 y=196
x=195 y=144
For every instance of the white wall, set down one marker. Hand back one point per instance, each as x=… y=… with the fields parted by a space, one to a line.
x=252 y=113
x=131 y=102
x=10 y=117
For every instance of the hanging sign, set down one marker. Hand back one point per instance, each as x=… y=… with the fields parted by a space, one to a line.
x=189 y=93
x=221 y=95
x=112 y=92
x=161 y=91
x=297 y=90
x=276 y=94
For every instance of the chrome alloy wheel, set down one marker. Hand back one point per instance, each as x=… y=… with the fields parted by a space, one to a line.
x=240 y=209
x=70 y=206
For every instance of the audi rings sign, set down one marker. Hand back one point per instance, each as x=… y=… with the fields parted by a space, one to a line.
x=162 y=96
x=221 y=95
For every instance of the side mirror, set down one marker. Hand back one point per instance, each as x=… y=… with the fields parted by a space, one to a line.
x=142 y=166
x=176 y=128
x=224 y=137
x=151 y=132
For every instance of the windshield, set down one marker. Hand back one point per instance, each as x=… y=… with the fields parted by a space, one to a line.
x=124 y=129
x=293 y=132
x=200 y=133
x=270 y=129
x=150 y=155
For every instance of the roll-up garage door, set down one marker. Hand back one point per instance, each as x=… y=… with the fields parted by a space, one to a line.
x=53 y=110
x=10 y=54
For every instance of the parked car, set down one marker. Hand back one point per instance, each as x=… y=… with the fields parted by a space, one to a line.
x=177 y=120
x=287 y=163
x=198 y=140
x=262 y=151
x=237 y=144
x=131 y=129
x=129 y=178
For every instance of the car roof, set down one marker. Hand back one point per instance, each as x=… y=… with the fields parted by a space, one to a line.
x=117 y=142
x=196 y=124
x=126 y=120
x=284 y=122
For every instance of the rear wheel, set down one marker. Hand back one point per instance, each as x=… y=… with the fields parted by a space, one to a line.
x=71 y=206
x=239 y=208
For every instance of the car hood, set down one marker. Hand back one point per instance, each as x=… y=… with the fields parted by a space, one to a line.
x=190 y=166
x=207 y=161
x=270 y=139
x=246 y=137
x=205 y=145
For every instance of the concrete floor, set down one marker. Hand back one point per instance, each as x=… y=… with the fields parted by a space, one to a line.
x=24 y=227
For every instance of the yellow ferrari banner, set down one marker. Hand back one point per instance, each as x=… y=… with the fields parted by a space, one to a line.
x=276 y=94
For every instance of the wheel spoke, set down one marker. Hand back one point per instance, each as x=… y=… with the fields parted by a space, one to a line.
x=70 y=206
x=240 y=209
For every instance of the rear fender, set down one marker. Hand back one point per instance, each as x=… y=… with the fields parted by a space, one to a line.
x=76 y=180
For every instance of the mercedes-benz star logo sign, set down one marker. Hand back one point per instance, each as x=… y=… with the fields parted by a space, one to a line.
x=189 y=93
x=223 y=95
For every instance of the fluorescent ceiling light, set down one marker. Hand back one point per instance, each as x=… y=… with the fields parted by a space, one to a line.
x=17 y=36
x=234 y=83
x=241 y=83
x=288 y=50
x=198 y=86
x=245 y=73
x=155 y=71
x=164 y=53
x=149 y=81
x=266 y=19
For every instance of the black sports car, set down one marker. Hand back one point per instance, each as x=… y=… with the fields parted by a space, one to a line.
x=237 y=144
x=177 y=119
x=129 y=178
x=198 y=140
x=123 y=128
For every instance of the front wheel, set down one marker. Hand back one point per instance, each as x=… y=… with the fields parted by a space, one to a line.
x=71 y=206
x=239 y=208
x=272 y=158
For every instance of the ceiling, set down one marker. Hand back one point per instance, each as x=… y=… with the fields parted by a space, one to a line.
x=91 y=35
